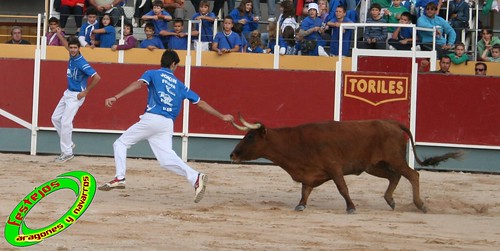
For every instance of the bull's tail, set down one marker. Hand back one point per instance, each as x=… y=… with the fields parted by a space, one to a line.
x=432 y=161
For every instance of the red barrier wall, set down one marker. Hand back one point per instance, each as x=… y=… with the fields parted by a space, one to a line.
x=451 y=109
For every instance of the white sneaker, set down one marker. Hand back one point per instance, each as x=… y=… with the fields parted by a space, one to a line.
x=134 y=23
x=418 y=48
x=64 y=158
x=199 y=187
x=392 y=48
x=271 y=19
x=115 y=183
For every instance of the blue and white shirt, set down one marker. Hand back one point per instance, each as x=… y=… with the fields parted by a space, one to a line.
x=78 y=73
x=166 y=93
x=207 y=27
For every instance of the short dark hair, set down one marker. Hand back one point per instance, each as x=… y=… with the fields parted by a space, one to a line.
x=179 y=20
x=158 y=3
x=483 y=64
x=169 y=57
x=128 y=24
x=74 y=40
x=53 y=20
x=376 y=6
x=495 y=46
x=150 y=26
x=446 y=56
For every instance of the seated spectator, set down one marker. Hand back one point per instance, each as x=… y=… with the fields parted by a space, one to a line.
x=52 y=38
x=486 y=42
x=159 y=18
x=310 y=33
x=374 y=37
x=105 y=37
x=334 y=22
x=17 y=36
x=238 y=29
x=176 y=8
x=207 y=25
x=128 y=38
x=226 y=41
x=255 y=43
x=393 y=14
x=402 y=37
x=288 y=44
x=243 y=15
x=269 y=38
x=151 y=42
x=445 y=35
x=459 y=17
x=141 y=8
x=86 y=31
x=444 y=65
x=111 y=7
x=72 y=7
x=421 y=6
x=459 y=56
x=495 y=54
x=480 y=68
x=287 y=17
x=177 y=38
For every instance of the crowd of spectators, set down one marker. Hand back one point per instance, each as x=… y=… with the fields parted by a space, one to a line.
x=306 y=27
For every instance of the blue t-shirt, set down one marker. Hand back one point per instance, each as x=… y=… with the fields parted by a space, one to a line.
x=309 y=23
x=108 y=39
x=166 y=93
x=86 y=30
x=159 y=24
x=177 y=43
x=154 y=41
x=207 y=28
x=249 y=26
x=222 y=42
x=78 y=72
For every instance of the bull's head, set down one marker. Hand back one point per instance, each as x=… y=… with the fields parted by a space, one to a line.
x=250 y=147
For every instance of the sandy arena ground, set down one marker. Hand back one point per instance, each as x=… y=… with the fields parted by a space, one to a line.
x=250 y=207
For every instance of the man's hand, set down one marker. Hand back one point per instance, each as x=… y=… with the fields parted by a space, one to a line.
x=82 y=94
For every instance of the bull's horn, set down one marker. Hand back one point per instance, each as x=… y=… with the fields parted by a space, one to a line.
x=250 y=126
x=241 y=128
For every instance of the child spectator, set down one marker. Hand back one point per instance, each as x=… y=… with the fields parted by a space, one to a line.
x=106 y=36
x=88 y=27
x=238 y=29
x=339 y=18
x=288 y=45
x=310 y=32
x=72 y=7
x=459 y=56
x=207 y=25
x=226 y=41
x=495 y=54
x=393 y=14
x=486 y=42
x=159 y=18
x=177 y=38
x=52 y=38
x=128 y=37
x=17 y=36
x=269 y=38
x=151 y=42
x=459 y=17
x=243 y=15
x=374 y=37
x=402 y=37
x=287 y=17
x=255 y=43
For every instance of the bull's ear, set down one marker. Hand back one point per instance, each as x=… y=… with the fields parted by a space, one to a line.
x=262 y=130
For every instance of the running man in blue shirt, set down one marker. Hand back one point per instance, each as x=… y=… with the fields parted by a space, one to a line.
x=78 y=73
x=166 y=94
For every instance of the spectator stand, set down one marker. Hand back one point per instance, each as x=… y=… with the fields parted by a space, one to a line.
x=413 y=54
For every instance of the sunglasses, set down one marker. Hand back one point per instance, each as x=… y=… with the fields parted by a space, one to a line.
x=430 y=9
x=481 y=70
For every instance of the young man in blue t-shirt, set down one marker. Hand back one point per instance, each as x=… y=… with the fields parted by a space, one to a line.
x=166 y=94
x=78 y=73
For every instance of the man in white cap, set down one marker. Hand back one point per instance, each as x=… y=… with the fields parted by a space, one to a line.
x=310 y=32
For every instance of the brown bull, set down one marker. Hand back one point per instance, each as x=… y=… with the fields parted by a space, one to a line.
x=315 y=153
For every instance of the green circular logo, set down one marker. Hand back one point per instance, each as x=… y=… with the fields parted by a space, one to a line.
x=16 y=231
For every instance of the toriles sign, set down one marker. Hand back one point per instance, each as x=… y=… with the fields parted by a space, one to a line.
x=16 y=231
x=376 y=90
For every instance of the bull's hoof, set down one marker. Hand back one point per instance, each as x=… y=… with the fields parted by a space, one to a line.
x=300 y=208
x=351 y=211
x=392 y=205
